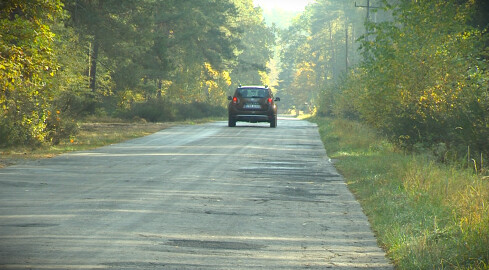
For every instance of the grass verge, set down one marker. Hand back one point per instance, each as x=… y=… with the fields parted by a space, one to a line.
x=91 y=134
x=426 y=215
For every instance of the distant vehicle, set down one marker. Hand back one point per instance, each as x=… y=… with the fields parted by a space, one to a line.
x=252 y=104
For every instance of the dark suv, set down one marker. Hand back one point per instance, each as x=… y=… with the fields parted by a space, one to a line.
x=252 y=104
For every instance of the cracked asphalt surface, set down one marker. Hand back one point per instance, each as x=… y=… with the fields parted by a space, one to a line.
x=188 y=197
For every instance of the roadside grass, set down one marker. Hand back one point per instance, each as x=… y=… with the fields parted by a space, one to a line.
x=426 y=215
x=92 y=133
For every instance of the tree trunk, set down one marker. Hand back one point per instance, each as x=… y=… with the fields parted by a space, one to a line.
x=160 y=85
x=93 y=65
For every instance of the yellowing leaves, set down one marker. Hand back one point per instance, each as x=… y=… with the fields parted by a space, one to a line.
x=210 y=70
x=226 y=77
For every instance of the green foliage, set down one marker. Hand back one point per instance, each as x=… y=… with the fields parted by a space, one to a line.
x=159 y=110
x=255 y=48
x=152 y=111
x=73 y=97
x=27 y=66
x=315 y=54
x=423 y=80
x=59 y=127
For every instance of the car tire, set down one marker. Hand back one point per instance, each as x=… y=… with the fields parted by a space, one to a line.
x=231 y=122
x=273 y=122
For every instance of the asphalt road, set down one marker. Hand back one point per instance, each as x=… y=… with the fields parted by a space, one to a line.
x=188 y=197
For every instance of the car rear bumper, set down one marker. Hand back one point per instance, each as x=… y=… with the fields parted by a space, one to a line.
x=253 y=118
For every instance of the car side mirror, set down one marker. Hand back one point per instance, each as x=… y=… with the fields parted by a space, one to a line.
x=277 y=99
x=230 y=98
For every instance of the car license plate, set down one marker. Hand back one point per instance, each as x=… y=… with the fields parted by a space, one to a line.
x=252 y=106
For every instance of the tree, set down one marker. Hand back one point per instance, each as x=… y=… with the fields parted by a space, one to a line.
x=27 y=67
x=425 y=80
x=317 y=40
x=199 y=35
x=255 y=48
x=114 y=30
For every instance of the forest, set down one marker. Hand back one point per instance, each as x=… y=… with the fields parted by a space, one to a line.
x=157 y=60
x=399 y=88
x=416 y=71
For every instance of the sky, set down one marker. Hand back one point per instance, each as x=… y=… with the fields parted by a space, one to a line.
x=289 y=5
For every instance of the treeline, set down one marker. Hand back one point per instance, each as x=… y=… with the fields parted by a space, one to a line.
x=159 y=60
x=317 y=49
x=423 y=75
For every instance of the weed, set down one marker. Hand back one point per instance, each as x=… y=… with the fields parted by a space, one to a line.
x=425 y=214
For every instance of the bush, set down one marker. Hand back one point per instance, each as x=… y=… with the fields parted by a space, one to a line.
x=22 y=123
x=156 y=110
x=198 y=110
x=159 y=110
x=422 y=94
x=59 y=127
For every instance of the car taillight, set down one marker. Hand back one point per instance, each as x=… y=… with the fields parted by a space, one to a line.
x=270 y=100
x=235 y=100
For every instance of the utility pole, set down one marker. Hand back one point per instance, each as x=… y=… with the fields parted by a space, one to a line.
x=346 y=43
x=368 y=7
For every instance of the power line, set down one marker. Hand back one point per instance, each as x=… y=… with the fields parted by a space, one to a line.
x=368 y=7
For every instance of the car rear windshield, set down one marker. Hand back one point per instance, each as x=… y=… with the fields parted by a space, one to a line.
x=252 y=93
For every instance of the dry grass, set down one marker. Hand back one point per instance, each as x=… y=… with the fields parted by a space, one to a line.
x=90 y=135
x=426 y=215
